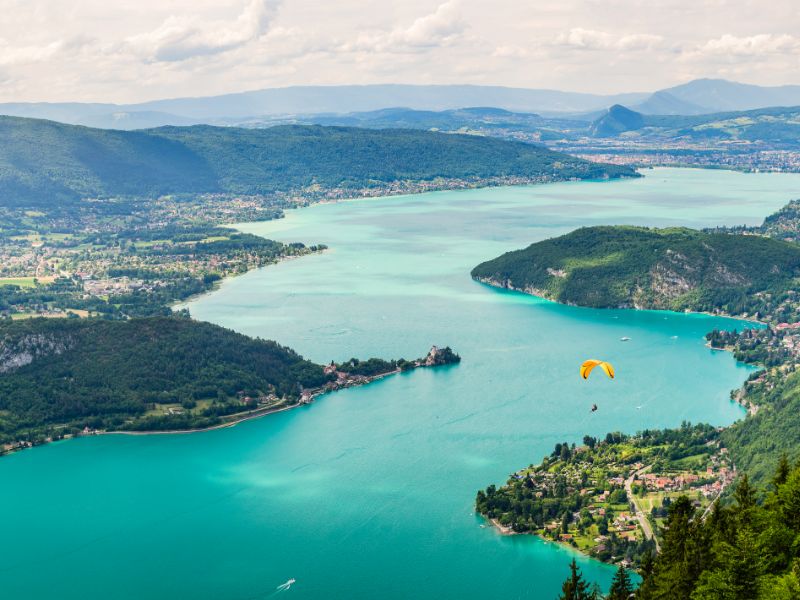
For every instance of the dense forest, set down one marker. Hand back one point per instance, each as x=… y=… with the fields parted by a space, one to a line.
x=102 y=374
x=622 y=266
x=757 y=442
x=44 y=161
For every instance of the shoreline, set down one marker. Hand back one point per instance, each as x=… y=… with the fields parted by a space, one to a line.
x=504 y=531
x=738 y=395
x=308 y=397
x=177 y=304
x=255 y=414
x=542 y=295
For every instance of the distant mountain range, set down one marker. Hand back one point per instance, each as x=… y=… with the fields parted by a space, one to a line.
x=773 y=128
x=696 y=97
x=716 y=95
x=234 y=109
x=44 y=162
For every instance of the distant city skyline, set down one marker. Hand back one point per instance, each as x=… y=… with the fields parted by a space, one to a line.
x=143 y=50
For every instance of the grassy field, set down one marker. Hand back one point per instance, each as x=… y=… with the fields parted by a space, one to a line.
x=26 y=282
x=53 y=315
x=164 y=409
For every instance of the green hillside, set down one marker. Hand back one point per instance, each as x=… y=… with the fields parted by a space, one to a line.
x=105 y=374
x=42 y=161
x=649 y=268
x=757 y=442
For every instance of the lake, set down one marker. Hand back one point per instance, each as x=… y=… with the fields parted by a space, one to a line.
x=368 y=493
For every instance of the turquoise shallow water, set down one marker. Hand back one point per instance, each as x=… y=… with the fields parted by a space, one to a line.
x=368 y=493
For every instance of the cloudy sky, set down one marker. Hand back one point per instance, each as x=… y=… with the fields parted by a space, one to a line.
x=133 y=50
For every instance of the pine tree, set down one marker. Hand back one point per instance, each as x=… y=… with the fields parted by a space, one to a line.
x=743 y=566
x=646 y=587
x=745 y=496
x=782 y=472
x=575 y=587
x=788 y=498
x=685 y=554
x=621 y=587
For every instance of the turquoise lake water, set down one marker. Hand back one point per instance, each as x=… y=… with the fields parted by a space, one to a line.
x=368 y=493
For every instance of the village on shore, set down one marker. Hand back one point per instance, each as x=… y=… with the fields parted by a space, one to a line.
x=609 y=498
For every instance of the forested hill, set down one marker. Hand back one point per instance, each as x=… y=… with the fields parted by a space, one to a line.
x=778 y=126
x=112 y=374
x=43 y=160
x=622 y=266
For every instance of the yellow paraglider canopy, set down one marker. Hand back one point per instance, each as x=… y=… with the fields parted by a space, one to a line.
x=589 y=365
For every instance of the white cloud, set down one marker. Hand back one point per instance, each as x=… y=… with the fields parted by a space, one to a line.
x=434 y=29
x=640 y=41
x=180 y=38
x=754 y=45
x=589 y=39
x=131 y=50
x=22 y=55
x=506 y=51
x=586 y=39
x=439 y=28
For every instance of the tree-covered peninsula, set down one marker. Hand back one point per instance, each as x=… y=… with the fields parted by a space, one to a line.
x=639 y=267
x=62 y=377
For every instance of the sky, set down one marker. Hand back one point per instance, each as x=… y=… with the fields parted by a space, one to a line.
x=135 y=50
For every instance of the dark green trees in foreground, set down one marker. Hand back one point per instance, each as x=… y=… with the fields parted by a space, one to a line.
x=576 y=588
x=749 y=550
x=621 y=586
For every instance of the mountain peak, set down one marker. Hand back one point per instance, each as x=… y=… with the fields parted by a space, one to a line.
x=618 y=119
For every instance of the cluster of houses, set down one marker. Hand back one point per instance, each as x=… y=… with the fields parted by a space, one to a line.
x=710 y=483
x=628 y=152
x=115 y=286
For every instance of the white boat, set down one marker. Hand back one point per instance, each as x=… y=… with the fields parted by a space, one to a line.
x=624 y=339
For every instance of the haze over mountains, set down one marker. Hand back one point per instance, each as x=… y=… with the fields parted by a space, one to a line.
x=703 y=96
x=696 y=97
